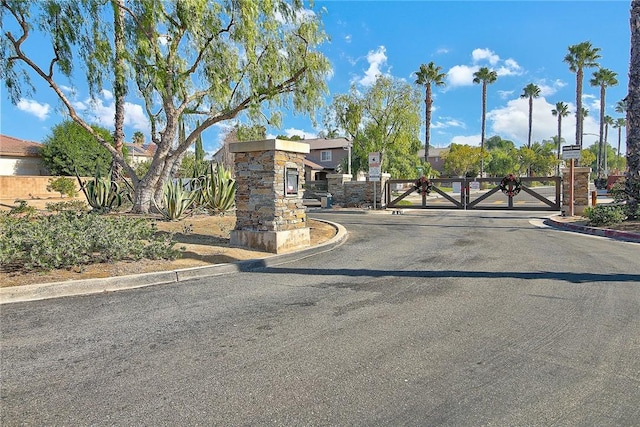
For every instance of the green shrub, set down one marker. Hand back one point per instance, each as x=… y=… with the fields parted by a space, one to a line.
x=63 y=185
x=605 y=214
x=23 y=208
x=71 y=239
x=69 y=205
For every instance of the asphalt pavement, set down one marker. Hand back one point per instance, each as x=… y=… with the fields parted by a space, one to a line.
x=446 y=318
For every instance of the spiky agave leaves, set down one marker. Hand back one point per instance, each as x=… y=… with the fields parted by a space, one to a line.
x=176 y=200
x=219 y=189
x=103 y=193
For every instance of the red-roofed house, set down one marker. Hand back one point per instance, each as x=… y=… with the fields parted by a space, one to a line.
x=20 y=157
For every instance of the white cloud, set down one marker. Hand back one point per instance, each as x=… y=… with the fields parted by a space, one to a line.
x=461 y=75
x=106 y=94
x=509 y=68
x=41 y=111
x=103 y=113
x=472 y=140
x=442 y=51
x=551 y=88
x=347 y=38
x=504 y=94
x=300 y=132
x=512 y=122
x=485 y=54
x=447 y=122
x=377 y=60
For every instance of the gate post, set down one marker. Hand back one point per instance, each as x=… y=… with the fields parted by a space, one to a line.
x=580 y=189
x=270 y=215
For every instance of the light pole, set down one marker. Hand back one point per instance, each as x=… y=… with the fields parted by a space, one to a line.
x=348 y=148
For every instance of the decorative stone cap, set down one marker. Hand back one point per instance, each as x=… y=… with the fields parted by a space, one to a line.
x=269 y=145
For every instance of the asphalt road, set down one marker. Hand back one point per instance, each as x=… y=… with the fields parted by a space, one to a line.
x=430 y=318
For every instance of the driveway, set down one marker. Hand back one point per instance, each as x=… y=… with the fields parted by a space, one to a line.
x=430 y=318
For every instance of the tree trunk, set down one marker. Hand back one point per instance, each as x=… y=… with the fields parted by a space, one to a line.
x=600 y=162
x=579 y=107
x=427 y=128
x=530 y=121
x=119 y=84
x=484 y=117
x=559 y=141
x=633 y=113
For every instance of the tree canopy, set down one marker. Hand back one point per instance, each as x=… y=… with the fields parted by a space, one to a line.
x=190 y=60
x=69 y=147
x=385 y=118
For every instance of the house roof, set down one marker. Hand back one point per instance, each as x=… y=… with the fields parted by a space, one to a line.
x=141 y=150
x=325 y=143
x=313 y=165
x=10 y=146
x=433 y=151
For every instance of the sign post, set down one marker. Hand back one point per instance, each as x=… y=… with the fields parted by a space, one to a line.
x=374 y=172
x=571 y=152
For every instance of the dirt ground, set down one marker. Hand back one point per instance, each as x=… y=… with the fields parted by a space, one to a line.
x=205 y=239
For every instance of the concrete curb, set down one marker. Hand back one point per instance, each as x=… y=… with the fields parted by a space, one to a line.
x=111 y=284
x=627 y=236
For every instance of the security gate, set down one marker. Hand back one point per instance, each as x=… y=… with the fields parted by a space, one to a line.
x=508 y=193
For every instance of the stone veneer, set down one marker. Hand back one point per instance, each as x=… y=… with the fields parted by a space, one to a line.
x=581 y=198
x=349 y=193
x=266 y=218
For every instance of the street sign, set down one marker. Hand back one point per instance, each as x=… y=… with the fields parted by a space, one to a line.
x=374 y=166
x=570 y=152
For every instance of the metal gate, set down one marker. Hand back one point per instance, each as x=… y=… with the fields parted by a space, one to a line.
x=508 y=193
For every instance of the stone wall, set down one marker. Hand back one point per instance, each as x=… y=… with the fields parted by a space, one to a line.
x=347 y=193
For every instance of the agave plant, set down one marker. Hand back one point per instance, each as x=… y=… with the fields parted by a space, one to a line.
x=218 y=189
x=176 y=200
x=102 y=193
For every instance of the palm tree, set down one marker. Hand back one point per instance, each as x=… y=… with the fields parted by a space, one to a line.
x=608 y=121
x=484 y=76
x=584 y=113
x=581 y=56
x=530 y=91
x=619 y=123
x=603 y=78
x=632 y=105
x=561 y=110
x=621 y=106
x=426 y=75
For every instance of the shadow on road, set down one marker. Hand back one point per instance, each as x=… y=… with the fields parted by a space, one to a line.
x=541 y=275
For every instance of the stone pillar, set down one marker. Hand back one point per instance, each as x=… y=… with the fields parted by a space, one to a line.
x=270 y=215
x=580 y=189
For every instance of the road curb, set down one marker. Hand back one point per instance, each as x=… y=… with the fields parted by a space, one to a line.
x=627 y=236
x=111 y=284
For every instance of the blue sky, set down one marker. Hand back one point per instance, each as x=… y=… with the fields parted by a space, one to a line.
x=524 y=41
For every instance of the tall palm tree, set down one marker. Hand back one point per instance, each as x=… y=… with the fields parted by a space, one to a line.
x=561 y=110
x=633 y=115
x=486 y=77
x=427 y=75
x=621 y=106
x=530 y=91
x=608 y=121
x=581 y=56
x=619 y=123
x=584 y=112
x=603 y=78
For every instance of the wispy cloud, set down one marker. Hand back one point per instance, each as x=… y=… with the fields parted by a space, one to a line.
x=41 y=111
